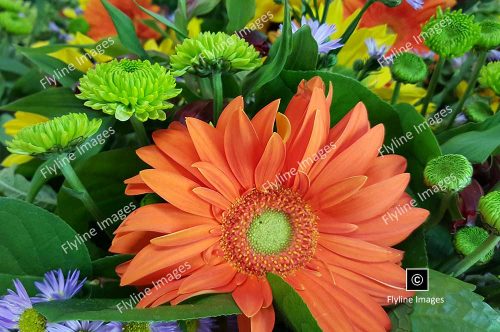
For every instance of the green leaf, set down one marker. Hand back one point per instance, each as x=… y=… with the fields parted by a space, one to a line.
x=31 y=240
x=291 y=306
x=181 y=18
x=13 y=66
x=50 y=103
x=491 y=122
x=203 y=7
x=415 y=250
x=162 y=19
x=16 y=186
x=126 y=30
x=239 y=14
x=103 y=178
x=6 y=282
x=276 y=61
x=304 y=55
x=461 y=309
x=105 y=267
x=56 y=69
x=107 y=310
x=478 y=142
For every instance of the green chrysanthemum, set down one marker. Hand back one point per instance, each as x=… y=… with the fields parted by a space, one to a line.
x=450 y=173
x=489 y=38
x=469 y=239
x=214 y=53
x=490 y=76
x=478 y=111
x=12 y=5
x=137 y=327
x=129 y=88
x=408 y=68
x=59 y=135
x=15 y=23
x=489 y=207
x=31 y=321
x=450 y=34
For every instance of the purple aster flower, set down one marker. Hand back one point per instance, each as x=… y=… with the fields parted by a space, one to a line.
x=13 y=305
x=494 y=55
x=207 y=325
x=55 y=287
x=373 y=50
x=458 y=62
x=321 y=33
x=416 y=4
x=77 y=326
x=165 y=327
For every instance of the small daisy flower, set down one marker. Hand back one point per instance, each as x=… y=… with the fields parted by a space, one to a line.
x=416 y=4
x=77 y=326
x=17 y=313
x=55 y=287
x=374 y=50
x=321 y=33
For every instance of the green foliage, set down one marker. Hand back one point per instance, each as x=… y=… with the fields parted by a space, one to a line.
x=239 y=14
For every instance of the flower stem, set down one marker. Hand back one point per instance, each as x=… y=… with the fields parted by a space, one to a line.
x=350 y=29
x=432 y=85
x=443 y=207
x=325 y=11
x=470 y=87
x=395 y=94
x=218 y=94
x=205 y=87
x=140 y=131
x=84 y=196
x=475 y=256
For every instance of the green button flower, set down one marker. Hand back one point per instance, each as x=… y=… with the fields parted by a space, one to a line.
x=59 y=135
x=490 y=76
x=489 y=38
x=408 y=68
x=210 y=53
x=468 y=239
x=489 y=207
x=451 y=33
x=451 y=172
x=15 y=23
x=129 y=88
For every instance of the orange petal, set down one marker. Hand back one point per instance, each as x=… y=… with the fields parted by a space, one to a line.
x=237 y=104
x=370 y=201
x=177 y=190
x=249 y=297
x=242 y=148
x=212 y=197
x=385 y=167
x=219 y=180
x=283 y=126
x=184 y=236
x=271 y=162
x=358 y=249
x=335 y=228
x=263 y=121
x=135 y=186
x=208 y=277
x=263 y=321
x=341 y=191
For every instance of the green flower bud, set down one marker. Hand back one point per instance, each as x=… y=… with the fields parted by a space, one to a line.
x=129 y=88
x=468 y=239
x=489 y=207
x=59 y=135
x=391 y=3
x=489 y=38
x=490 y=76
x=31 y=321
x=78 y=24
x=211 y=52
x=408 y=68
x=137 y=327
x=478 y=111
x=15 y=6
x=450 y=34
x=15 y=23
x=450 y=173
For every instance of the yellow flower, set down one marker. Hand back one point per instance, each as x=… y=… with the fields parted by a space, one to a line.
x=382 y=84
x=273 y=10
x=12 y=127
x=355 y=48
x=74 y=56
x=167 y=46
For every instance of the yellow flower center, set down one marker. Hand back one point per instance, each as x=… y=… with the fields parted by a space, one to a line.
x=273 y=231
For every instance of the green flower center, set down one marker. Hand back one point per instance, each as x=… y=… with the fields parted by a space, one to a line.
x=270 y=232
x=469 y=238
x=31 y=321
x=137 y=327
x=130 y=66
x=450 y=172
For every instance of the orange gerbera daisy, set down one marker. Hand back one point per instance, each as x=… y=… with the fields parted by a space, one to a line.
x=404 y=20
x=101 y=25
x=306 y=202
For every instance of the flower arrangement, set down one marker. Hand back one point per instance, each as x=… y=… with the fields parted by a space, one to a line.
x=258 y=165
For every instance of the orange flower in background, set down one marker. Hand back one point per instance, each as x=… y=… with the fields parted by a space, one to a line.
x=101 y=25
x=404 y=20
x=308 y=203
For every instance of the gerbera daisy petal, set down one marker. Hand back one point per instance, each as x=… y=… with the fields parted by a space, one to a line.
x=340 y=192
x=212 y=197
x=271 y=162
x=218 y=179
x=208 y=277
x=249 y=297
x=237 y=104
x=385 y=167
x=263 y=121
x=179 y=192
x=184 y=236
